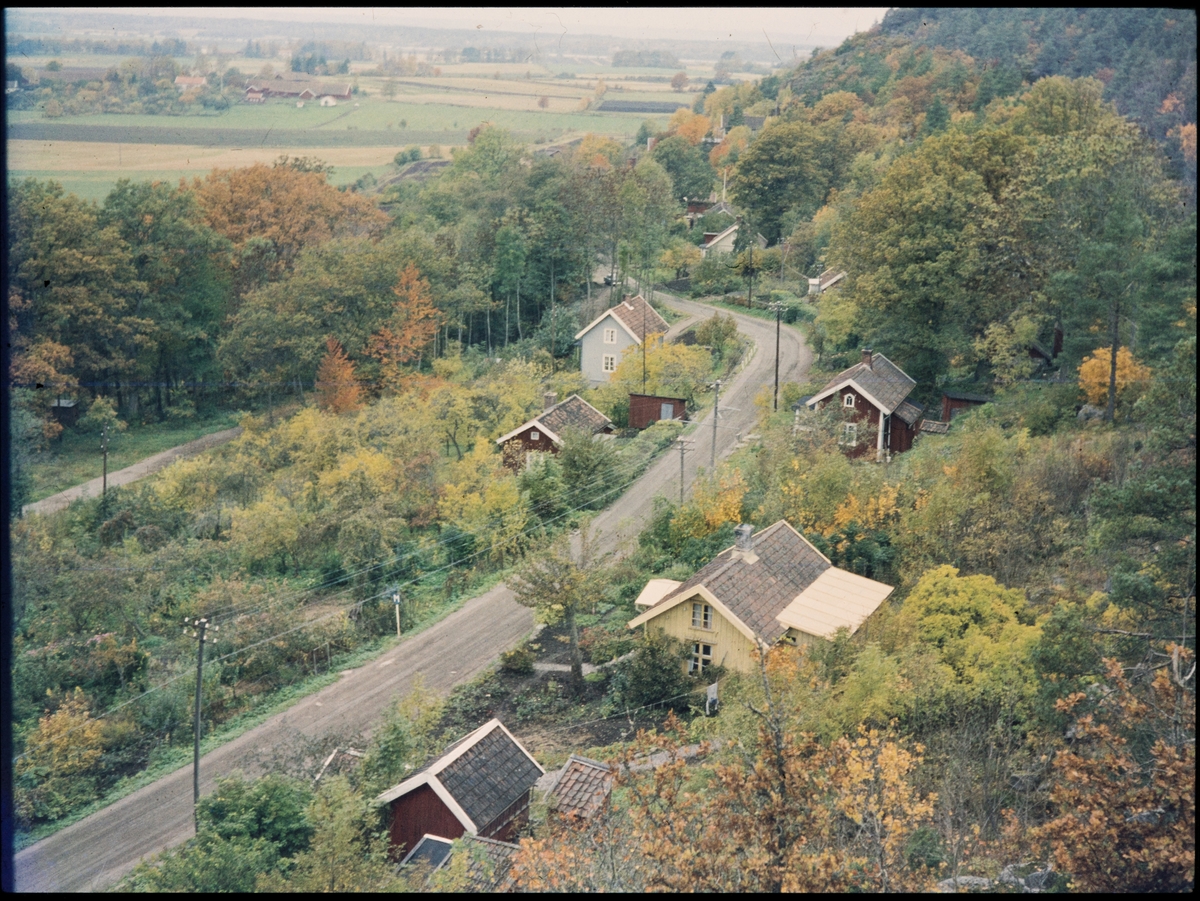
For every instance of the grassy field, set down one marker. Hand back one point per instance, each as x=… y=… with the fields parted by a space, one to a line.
x=76 y=458
x=89 y=153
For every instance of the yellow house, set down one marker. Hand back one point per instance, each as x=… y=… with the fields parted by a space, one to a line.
x=769 y=587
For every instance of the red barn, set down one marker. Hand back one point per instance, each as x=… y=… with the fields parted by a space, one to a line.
x=874 y=396
x=480 y=786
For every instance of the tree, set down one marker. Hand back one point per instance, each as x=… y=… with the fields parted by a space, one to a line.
x=57 y=771
x=686 y=164
x=681 y=257
x=1099 y=377
x=679 y=81
x=412 y=327
x=781 y=171
x=692 y=127
x=558 y=587
x=337 y=388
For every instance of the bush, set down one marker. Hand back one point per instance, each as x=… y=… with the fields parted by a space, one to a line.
x=655 y=674
x=517 y=662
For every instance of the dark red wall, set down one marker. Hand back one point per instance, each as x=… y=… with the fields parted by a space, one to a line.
x=515 y=448
x=421 y=811
x=950 y=404
x=506 y=826
x=647 y=408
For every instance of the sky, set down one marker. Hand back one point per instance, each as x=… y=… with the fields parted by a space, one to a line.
x=817 y=25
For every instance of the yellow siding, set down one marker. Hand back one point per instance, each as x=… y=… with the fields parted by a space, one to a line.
x=731 y=648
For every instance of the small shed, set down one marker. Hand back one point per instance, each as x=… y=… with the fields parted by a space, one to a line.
x=65 y=411
x=581 y=788
x=955 y=402
x=480 y=787
x=645 y=409
x=543 y=433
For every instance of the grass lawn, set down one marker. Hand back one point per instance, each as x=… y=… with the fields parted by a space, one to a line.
x=75 y=459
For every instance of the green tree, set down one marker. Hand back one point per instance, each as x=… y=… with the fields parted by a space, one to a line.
x=691 y=174
x=781 y=171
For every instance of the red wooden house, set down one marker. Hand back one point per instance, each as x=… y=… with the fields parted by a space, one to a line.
x=645 y=409
x=874 y=396
x=543 y=433
x=480 y=786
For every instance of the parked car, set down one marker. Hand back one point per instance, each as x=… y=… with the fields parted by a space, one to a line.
x=608 y=279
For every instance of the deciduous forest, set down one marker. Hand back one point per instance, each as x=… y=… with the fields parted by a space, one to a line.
x=1012 y=196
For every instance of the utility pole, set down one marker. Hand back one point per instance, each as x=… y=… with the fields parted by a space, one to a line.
x=199 y=626
x=777 y=309
x=716 y=405
x=643 y=345
x=104 y=449
x=396 y=604
x=681 y=470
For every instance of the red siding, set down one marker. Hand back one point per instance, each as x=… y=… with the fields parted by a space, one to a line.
x=421 y=811
x=506 y=826
x=898 y=433
x=515 y=448
x=952 y=404
x=647 y=408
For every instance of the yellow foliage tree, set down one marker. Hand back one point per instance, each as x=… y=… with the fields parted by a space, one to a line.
x=692 y=127
x=57 y=771
x=1095 y=370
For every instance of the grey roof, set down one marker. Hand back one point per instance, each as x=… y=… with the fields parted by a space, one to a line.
x=909 y=412
x=489 y=776
x=935 y=426
x=488 y=868
x=634 y=312
x=758 y=592
x=962 y=395
x=574 y=413
x=882 y=380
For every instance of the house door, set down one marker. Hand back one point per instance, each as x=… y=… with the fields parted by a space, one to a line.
x=666 y=411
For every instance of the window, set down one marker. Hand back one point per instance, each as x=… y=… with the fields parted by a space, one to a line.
x=610 y=336
x=701 y=616
x=535 y=436
x=610 y=363
x=848 y=400
x=850 y=433
x=702 y=656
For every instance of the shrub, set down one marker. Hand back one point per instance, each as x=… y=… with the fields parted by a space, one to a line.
x=518 y=661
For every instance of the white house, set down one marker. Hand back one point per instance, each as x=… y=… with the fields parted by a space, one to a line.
x=605 y=338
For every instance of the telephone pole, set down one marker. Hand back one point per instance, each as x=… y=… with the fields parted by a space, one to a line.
x=712 y=463
x=199 y=627
x=777 y=309
x=396 y=604
x=681 y=449
x=104 y=449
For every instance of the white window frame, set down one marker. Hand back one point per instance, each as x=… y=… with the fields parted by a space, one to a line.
x=702 y=617
x=848 y=400
x=702 y=656
x=610 y=336
x=535 y=435
x=609 y=363
x=849 y=434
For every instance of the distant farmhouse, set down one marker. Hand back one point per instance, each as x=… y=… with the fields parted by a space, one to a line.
x=259 y=90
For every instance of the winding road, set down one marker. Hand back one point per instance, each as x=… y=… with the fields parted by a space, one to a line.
x=97 y=851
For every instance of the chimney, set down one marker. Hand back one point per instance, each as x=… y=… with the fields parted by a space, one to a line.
x=866 y=357
x=549 y=399
x=742 y=537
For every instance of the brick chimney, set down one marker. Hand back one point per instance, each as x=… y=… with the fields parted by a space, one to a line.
x=549 y=399
x=866 y=357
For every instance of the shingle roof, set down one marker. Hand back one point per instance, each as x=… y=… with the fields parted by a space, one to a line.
x=483 y=774
x=634 y=311
x=883 y=380
x=776 y=578
x=490 y=861
x=574 y=413
x=581 y=787
x=935 y=427
x=757 y=592
x=962 y=395
x=489 y=776
x=909 y=412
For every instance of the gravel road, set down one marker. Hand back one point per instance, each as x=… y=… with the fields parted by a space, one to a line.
x=97 y=851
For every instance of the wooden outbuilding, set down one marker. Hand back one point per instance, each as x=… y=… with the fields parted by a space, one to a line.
x=480 y=787
x=645 y=409
x=544 y=433
x=873 y=394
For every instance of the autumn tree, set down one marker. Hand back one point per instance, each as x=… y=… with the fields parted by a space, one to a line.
x=57 y=770
x=559 y=585
x=1097 y=378
x=338 y=391
x=679 y=81
x=409 y=331
x=271 y=213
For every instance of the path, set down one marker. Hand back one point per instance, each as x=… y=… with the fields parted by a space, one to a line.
x=138 y=470
x=97 y=851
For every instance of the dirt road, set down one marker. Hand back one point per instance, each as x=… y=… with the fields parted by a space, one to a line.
x=95 y=852
x=138 y=470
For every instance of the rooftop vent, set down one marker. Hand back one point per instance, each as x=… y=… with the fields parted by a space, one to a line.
x=866 y=357
x=549 y=399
